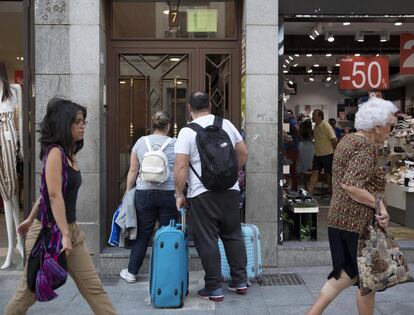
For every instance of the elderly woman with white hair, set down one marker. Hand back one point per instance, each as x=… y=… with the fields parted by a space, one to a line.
x=356 y=181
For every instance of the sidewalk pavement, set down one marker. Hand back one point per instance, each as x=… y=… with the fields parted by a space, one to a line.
x=280 y=300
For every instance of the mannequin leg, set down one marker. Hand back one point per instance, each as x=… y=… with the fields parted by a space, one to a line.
x=8 y=211
x=16 y=218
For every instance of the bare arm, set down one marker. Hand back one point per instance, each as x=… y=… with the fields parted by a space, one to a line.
x=360 y=195
x=133 y=171
x=24 y=226
x=57 y=203
x=365 y=197
x=242 y=153
x=34 y=211
x=334 y=142
x=182 y=162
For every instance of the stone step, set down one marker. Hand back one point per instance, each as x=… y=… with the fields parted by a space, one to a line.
x=290 y=254
x=318 y=253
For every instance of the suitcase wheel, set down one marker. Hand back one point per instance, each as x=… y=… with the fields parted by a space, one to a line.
x=176 y=245
x=159 y=291
x=162 y=244
x=175 y=292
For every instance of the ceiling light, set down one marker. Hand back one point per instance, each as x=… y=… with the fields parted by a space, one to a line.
x=337 y=65
x=290 y=57
x=398 y=23
x=329 y=37
x=290 y=81
x=346 y=23
x=329 y=69
x=179 y=82
x=295 y=65
x=384 y=37
x=377 y=55
x=316 y=65
x=316 y=31
x=359 y=36
x=166 y=12
x=309 y=70
x=122 y=82
x=327 y=81
x=287 y=61
x=174 y=59
x=285 y=71
x=328 y=55
x=308 y=55
x=284 y=66
x=311 y=78
x=297 y=55
x=357 y=55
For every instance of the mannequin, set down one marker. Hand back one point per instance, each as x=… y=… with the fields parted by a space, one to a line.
x=10 y=105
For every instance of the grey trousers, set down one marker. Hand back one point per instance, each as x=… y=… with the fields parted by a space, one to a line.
x=217 y=214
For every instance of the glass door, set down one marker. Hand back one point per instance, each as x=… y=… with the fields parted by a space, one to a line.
x=148 y=83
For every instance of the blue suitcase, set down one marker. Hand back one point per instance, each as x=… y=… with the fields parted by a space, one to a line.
x=251 y=237
x=169 y=265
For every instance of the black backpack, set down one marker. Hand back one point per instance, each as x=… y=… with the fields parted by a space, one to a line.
x=219 y=167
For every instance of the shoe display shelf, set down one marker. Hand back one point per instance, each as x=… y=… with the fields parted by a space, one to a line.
x=400 y=203
x=304 y=214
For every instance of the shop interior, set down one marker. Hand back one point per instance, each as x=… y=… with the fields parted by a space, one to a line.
x=11 y=53
x=313 y=47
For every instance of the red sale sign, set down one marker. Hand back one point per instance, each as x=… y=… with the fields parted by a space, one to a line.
x=407 y=53
x=363 y=73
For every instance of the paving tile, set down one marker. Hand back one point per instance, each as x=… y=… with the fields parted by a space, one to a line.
x=395 y=308
x=287 y=295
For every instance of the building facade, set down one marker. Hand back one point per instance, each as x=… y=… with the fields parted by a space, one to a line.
x=89 y=51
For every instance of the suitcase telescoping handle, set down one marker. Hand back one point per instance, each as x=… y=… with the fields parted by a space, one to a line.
x=182 y=213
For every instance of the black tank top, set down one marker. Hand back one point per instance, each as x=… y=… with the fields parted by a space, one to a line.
x=71 y=195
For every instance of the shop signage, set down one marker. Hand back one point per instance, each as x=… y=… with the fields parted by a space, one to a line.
x=407 y=53
x=364 y=73
x=201 y=20
x=174 y=18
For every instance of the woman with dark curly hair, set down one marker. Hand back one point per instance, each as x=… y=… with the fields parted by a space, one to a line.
x=61 y=138
x=357 y=181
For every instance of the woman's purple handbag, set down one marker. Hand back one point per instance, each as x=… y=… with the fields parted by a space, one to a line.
x=46 y=267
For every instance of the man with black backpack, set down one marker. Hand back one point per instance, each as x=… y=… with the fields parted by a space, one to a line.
x=209 y=153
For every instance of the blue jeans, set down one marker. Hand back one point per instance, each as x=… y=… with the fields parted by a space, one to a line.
x=151 y=205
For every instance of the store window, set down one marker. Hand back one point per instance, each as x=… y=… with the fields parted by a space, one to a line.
x=186 y=19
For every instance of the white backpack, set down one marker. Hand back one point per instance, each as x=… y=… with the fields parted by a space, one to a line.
x=154 y=164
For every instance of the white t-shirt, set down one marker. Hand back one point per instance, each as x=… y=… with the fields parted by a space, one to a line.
x=186 y=144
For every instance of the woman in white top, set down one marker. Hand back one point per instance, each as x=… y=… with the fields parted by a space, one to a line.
x=153 y=200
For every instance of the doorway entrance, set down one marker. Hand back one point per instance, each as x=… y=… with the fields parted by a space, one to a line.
x=144 y=80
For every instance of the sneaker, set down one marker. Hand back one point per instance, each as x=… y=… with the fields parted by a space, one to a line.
x=214 y=295
x=238 y=288
x=128 y=277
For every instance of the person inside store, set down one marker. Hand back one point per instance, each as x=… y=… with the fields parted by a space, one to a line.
x=357 y=180
x=61 y=138
x=339 y=132
x=291 y=148
x=306 y=150
x=325 y=144
x=153 y=201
